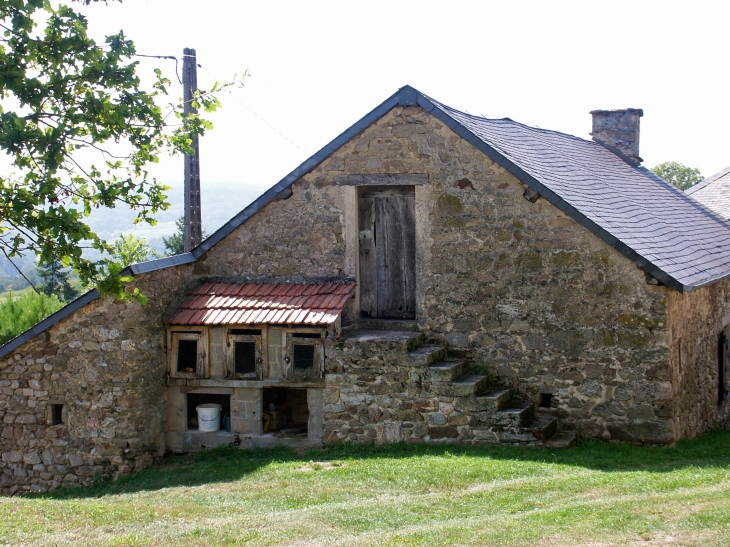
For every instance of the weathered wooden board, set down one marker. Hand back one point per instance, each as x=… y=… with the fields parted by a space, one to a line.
x=388 y=254
x=382 y=179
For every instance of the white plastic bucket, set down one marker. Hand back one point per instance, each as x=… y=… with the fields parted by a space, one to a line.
x=209 y=417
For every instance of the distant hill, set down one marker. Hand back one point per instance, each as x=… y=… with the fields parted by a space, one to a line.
x=221 y=201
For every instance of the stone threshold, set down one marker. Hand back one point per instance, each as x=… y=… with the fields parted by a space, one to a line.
x=223 y=383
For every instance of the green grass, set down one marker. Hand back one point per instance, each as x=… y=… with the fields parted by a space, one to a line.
x=595 y=494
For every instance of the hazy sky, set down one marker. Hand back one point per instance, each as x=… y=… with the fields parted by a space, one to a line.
x=318 y=66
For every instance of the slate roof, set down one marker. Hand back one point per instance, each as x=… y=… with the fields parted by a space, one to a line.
x=664 y=231
x=254 y=303
x=714 y=193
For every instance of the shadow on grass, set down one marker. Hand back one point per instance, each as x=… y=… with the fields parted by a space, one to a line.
x=225 y=464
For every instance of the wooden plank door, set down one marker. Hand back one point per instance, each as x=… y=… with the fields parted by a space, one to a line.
x=387 y=224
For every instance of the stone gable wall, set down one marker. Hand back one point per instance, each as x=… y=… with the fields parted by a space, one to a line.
x=106 y=364
x=519 y=289
x=696 y=321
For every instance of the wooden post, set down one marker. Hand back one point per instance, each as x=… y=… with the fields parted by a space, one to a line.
x=193 y=222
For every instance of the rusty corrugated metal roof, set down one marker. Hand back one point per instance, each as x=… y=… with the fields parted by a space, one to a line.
x=256 y=303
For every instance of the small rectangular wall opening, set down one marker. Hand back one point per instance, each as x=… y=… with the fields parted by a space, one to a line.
x=546 y=400
x=286 y=412
x=56 y=414
x=722 y=349
x=195 y=399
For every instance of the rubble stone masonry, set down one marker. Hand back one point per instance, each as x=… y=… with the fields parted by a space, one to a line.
x=516 y=288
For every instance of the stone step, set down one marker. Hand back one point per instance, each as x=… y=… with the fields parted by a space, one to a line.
x=515 y=417
x=383 y=342
x=489 y=402
x=426 y=355
x=463 y=387
x=544 y=426
x=446 y=371
x=562 y=439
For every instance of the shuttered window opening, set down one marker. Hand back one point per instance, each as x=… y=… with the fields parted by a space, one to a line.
x=304 y=355
x=187 y=356
x=245 y=358
x=244 y=354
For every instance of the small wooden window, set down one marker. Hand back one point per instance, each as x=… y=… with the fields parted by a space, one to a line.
x=304 y=355
x=245 y=358
x=188 y=354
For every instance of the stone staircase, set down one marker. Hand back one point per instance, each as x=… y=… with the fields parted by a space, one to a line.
x=433 y=388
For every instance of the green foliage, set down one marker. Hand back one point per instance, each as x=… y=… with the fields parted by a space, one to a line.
x=55 y=280
x=19 y=312
x=129 y=249
x=66 y=99
x=175 y=244
x=677 y=174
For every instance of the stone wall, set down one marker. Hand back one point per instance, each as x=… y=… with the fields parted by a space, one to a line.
x=696 y=321
x=106 y=365
x=518 y=288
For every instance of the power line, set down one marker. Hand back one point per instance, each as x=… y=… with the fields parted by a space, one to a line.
x=259 y=116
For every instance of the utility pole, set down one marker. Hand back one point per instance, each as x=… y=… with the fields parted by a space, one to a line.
x=193 y=223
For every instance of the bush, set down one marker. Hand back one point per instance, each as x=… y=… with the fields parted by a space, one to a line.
x=20 y=311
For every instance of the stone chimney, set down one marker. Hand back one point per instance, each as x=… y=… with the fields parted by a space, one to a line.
x=618 y=130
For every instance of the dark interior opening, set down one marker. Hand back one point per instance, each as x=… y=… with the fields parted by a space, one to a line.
x=245 y=358
x=195 y=399
x=303 y=357
x=56 y=414
x=187 y=356
x=721 y=365
x=314 y=335
x=286 y=411
x=247 y=332
x=546 y=400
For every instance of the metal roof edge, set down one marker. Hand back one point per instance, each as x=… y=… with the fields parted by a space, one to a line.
x=549 y=195
x=48 y=322
x=703 y=284
x=159 y=264
x=403 y=97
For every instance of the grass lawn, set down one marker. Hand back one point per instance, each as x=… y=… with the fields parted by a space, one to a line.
x=595 y=494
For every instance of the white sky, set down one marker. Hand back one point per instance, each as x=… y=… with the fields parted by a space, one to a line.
x=318 y=66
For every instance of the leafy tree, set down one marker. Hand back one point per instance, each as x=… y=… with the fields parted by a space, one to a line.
x=679 y=175
x=129 y=249
x=20 y=312
x=81 y=132
x=55 y=280
x=175 y=244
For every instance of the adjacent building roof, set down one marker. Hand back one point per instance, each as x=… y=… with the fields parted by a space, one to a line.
x=273 y=304
x=714 y=193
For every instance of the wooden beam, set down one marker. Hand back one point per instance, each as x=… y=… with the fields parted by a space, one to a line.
x=383 y=179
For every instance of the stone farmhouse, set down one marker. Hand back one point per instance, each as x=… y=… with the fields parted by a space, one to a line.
x=428 y=276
